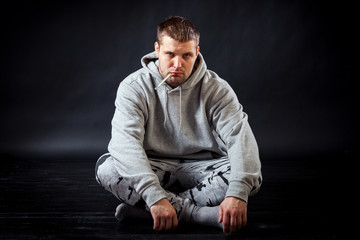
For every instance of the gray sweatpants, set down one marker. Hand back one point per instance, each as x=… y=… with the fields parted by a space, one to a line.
x=202 y=183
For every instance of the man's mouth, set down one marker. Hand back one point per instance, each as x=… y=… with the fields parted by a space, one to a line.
x=174 y=73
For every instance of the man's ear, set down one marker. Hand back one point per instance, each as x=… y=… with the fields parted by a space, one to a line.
x=157 y=48
x=197 y=50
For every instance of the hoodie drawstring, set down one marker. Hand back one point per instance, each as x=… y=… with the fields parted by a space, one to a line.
x=166 y=112
x=180 y=110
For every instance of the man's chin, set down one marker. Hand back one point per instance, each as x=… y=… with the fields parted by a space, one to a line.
x=174 y=82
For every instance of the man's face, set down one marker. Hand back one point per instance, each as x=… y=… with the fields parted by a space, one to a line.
x=176 y=58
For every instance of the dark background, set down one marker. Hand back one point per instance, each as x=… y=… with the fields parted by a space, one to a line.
x=291 y=63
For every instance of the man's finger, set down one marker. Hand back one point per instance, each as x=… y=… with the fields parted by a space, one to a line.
x=232 y=224
x=244 y=220
x=220 y=215
x=168 y=223
x=226 y=222
x=174 y=222
x=239 y=223
x=162 y=224
x=156 y=224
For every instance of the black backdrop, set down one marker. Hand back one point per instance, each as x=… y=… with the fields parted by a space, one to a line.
x=291 y=64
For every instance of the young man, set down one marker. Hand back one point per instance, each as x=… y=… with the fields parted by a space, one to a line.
x=180 y=148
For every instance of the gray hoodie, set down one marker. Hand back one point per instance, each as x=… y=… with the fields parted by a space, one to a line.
x=201 y=119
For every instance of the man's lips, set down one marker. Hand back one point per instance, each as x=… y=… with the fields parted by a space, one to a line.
x=176 y=73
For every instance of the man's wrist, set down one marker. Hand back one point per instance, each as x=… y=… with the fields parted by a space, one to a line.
x=153 y=194
x=239 y=190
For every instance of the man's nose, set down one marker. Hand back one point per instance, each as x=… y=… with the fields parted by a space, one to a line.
x=177 y=62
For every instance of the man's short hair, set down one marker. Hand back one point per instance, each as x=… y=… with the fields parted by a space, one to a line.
x=179 y=29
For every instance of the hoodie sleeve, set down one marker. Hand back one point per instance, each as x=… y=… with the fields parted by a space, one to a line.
x=126 y=144
x=231 y=123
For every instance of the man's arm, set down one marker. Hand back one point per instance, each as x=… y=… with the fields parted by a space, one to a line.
x=231 y=123
x=126 y=145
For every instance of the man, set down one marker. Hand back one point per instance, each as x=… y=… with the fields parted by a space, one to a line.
x=180 y=148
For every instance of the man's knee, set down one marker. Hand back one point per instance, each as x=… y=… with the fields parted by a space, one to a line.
x=104 y=169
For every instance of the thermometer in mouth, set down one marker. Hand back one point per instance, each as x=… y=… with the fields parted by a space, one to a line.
x=163 y=81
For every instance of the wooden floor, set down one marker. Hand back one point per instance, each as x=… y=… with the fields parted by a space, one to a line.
x=60 y=199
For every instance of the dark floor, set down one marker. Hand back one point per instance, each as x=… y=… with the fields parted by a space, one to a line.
x=60 y=199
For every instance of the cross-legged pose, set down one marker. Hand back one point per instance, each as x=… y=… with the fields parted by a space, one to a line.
x=181 y=148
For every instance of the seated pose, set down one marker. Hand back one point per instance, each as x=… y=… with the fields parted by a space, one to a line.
x=181 y=148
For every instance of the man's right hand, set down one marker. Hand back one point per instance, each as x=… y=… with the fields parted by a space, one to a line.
x=164 y=215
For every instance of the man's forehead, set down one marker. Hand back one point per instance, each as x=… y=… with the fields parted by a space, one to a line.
x=170 y=44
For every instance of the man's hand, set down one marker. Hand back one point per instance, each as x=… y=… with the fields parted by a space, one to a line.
x=233 y=214
x=164 y=215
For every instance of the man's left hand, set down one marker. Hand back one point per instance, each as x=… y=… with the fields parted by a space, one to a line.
x=233 y=214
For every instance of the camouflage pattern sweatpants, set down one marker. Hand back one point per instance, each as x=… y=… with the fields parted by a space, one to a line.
x=203 y=182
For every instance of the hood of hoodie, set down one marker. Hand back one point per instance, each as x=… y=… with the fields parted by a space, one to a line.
x=151 y=63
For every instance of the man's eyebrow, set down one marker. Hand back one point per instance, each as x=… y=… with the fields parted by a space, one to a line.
x=186 y=53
